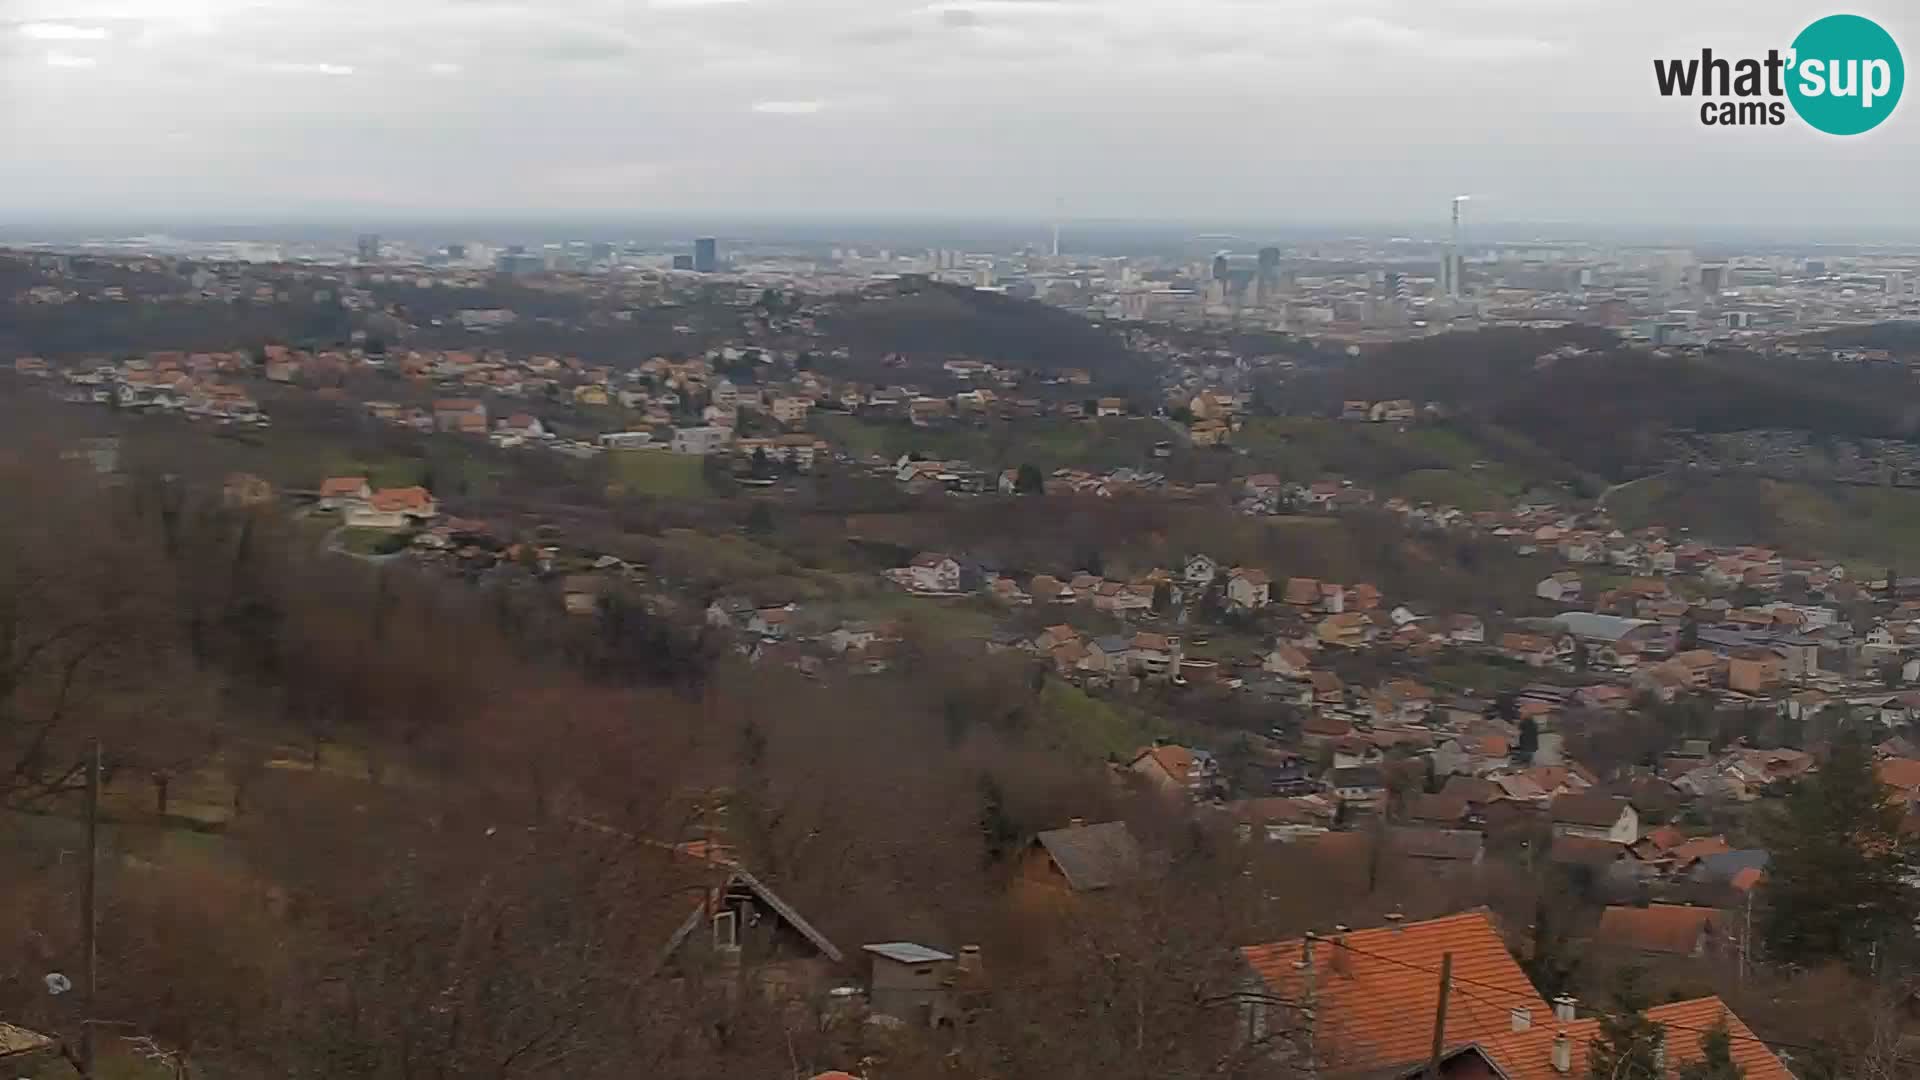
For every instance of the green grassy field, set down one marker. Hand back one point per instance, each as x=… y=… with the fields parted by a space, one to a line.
x=1087 y=726
x=371 y=541
x=1044 y=443
x=1481 y=468
x=1870 y=528
x=657 y=473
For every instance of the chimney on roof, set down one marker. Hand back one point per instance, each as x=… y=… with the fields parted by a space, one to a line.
x=1075 y=823
x=1395 y=920
x=1565 y=1008
x=1522 y=1019
x=969 y=960
x=1562 y=1053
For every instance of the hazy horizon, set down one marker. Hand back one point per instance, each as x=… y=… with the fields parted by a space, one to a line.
x=1002 y=110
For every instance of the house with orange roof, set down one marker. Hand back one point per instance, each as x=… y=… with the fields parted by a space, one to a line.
x=393 y=508
x=460 y=414
x=1903 y=776
x=340 y=492
x=1368 y=1000
x=1349 y=630
x=1286 y=660
x=1660 y=930
x=1175 y=770
x=1302 y=592
x=1248 y=588
x=1327 y=688
x=1532 y=649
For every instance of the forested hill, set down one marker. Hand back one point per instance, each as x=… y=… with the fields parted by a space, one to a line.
x=1606 y=409
x=931 y=319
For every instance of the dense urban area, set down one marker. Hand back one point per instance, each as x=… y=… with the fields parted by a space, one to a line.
x=1354 y=658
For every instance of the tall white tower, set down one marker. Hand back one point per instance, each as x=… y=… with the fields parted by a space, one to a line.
x=1452 y=266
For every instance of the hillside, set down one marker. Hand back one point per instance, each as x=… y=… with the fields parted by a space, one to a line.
x=1607 y=410
x=1872 y=527
x=938 y=321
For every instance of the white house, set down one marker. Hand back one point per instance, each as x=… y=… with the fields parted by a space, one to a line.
x=701 y=441
x=1560 y=588
x=1248 y=588
x=1596 y=817
x=627 y=440
x=1201 y=570
x=931 y=571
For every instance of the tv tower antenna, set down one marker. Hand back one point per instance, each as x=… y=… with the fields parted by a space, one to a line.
x=1059 y=211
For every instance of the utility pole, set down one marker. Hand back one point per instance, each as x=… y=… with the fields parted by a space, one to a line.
x=90 y=917
x=1440 y=1018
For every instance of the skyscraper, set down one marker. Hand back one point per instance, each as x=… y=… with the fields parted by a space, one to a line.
x=1453 y=271
x=706 y=255
x=1267 y=284
x=369 y=247
x=1220 y=267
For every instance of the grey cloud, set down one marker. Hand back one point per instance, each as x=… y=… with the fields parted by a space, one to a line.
x=1323 y=109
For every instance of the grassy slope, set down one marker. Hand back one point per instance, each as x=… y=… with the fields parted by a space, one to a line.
x=655 y=472
x=1870 y=527
x=1048 y=444
x=1427 y=463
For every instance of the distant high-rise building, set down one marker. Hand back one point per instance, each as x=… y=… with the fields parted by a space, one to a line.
x=1816 y=267
x=1394 y=286
x=706 y=255
x=1453 y=273
x=683 y=262
x=1268 y=282
x=369 y=247
x=602 y=253
x=1220 y=267
x=457 y=252
x=1713 y=278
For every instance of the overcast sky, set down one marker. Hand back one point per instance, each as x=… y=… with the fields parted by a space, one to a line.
x=1224 y=110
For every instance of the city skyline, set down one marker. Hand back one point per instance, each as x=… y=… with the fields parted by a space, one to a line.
x=1217 y=110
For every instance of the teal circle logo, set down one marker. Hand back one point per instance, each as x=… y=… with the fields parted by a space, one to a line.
x=1846 y=75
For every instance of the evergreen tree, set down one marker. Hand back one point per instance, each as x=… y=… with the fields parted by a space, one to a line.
x=759 y=520
x=1552 y=962
x=1627 y=1046
x=1837 y=884
x=1029 y=481
x=1529 y=740
x=1716 y=1058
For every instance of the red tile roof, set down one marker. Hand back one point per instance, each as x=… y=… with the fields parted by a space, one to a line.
x=406 y=498
x=1658 y=928
x=1375 y=992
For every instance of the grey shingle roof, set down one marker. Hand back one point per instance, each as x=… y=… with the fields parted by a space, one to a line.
x=1093 y=856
